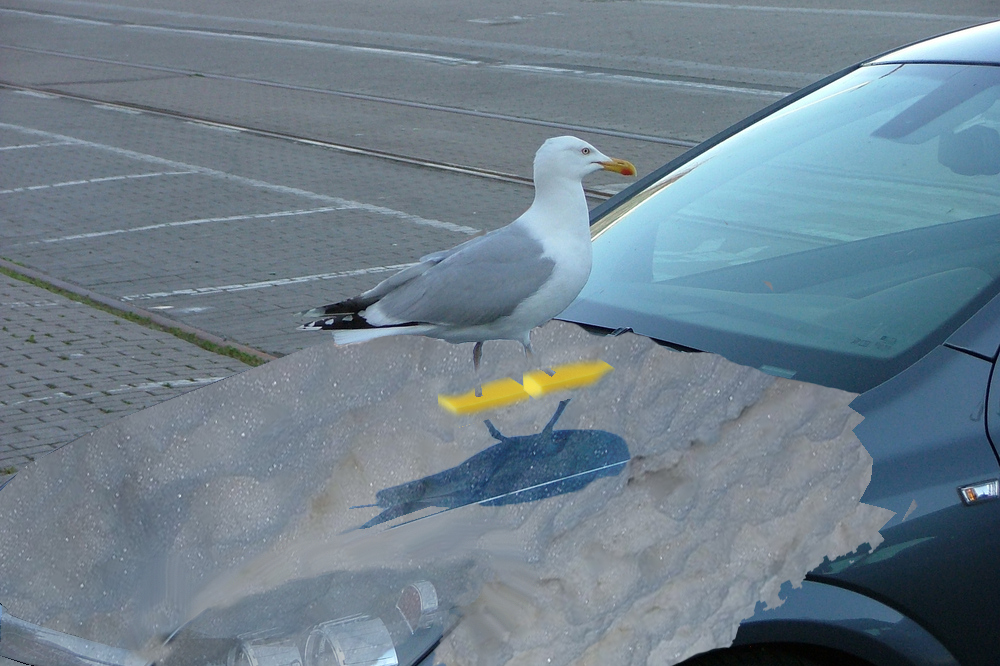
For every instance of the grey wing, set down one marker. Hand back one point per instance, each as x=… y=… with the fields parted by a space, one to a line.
x=402 y=277
x=365 y=299
x=362 y=301
x=426 y=262
x=475 y=283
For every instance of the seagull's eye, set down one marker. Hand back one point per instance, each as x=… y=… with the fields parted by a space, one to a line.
x=585 y=151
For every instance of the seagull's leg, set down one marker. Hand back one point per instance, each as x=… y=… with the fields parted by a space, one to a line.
x=529 y=354
x=477 y=356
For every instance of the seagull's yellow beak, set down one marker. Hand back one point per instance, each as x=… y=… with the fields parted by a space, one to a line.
x=623 y=167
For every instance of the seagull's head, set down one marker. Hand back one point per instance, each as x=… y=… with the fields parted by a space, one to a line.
x=573 y=158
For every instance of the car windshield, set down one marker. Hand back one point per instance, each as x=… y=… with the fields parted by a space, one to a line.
x=835 y=241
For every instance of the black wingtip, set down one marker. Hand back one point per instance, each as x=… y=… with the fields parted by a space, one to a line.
x=351 y=306
x=340 y=322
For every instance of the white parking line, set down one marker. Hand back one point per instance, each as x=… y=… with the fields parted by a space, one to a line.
x=213 y=126
x=241 y=36
x=201 y=291
x=26 y=304
x=127 y=388
x=90 y=181
x=868 y=13
x=416 y=55
x=644 y=80
x=32 y=93
x=452 y=44
x=251 y=182
x=43 y=144
x=119 y=109
x=185 y=223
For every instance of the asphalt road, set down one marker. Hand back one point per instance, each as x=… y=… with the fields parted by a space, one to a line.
x=197 y=159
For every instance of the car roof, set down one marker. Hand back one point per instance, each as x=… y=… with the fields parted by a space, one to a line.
x=976 y=45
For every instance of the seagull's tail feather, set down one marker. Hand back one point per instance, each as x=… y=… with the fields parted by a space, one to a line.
x=350 y=336
x=347 y=307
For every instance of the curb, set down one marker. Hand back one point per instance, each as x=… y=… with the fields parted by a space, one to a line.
x=119 y=306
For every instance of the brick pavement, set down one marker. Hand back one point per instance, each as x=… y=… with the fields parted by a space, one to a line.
x=67 y=368
x=247 y=211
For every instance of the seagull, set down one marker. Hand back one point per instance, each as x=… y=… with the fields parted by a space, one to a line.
x=498 y=286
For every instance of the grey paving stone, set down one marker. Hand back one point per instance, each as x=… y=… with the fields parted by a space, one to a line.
x=52 y=392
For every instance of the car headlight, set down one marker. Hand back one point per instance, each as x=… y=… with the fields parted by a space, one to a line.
x=358 y=641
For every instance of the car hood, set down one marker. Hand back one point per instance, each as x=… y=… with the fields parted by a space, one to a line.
x=328 y=497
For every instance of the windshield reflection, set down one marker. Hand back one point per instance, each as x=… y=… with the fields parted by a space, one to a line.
x=847 y=233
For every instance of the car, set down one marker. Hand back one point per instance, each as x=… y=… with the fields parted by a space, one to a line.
x=849 y=236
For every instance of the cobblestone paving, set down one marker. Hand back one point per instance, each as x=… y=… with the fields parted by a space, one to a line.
x=228 y=232
x=67 y=369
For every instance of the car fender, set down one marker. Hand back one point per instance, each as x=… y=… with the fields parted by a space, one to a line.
x=822 y=615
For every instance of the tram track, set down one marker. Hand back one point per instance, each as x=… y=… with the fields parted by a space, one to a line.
x=477 y=172
x=398 y=158
x=414 y=156
x=573 y=69
x=363 y=97
x=252 y=234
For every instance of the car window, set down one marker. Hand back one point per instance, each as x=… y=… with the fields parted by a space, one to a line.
x=837 y=240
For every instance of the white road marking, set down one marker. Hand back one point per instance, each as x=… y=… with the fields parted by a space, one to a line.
x=287 y=41
x=281 y=282
x=429 y=57
x=364 y=97
x=214 y=126
x=868 y=13
x=119 y=109
x=90 y=181
x=127 y=388
x=43 y=144
x=32 y=93
x=251 y=182
x=644 y=80
x=25 y=304
x=507 y=20
x=185 y=223
x=331 y=46
x=793 y=79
